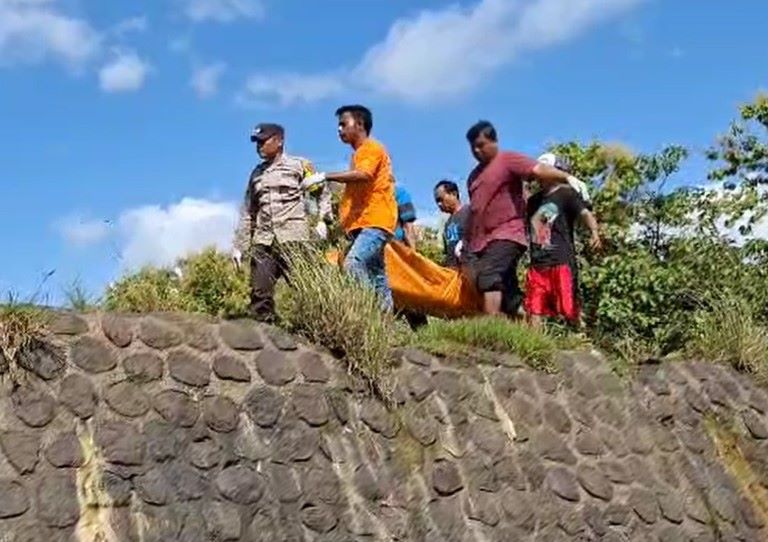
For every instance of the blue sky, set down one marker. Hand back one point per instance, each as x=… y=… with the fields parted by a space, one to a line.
x=125 y=124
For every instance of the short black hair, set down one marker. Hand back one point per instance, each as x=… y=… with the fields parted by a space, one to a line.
x=449 y=186
x=360 y=113
x=481 y=127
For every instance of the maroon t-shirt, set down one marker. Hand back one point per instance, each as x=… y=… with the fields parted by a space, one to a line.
x=496 y=200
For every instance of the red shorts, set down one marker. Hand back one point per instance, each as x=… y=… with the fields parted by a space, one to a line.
x=550 y=291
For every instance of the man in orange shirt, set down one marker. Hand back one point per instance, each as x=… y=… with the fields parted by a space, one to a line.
x=368 y=211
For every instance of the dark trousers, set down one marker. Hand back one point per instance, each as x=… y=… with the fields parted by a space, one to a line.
x=268 y=264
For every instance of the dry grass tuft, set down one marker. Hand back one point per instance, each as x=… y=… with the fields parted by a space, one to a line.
x=329 y=308
x=23 y=328
x=727 y=332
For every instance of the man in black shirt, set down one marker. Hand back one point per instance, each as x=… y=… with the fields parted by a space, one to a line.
x=448 y=201
x=551 y=288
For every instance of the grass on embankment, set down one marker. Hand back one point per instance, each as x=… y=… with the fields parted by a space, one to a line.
x=727 y=332
x=452 y=337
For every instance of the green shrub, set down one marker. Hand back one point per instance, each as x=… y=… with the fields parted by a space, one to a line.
x=148 y=290
x=209 y=284
x=212 y=285
x=536 y=347
x=329 y=308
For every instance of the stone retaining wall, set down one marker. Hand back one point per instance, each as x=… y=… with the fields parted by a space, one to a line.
x=163 y=428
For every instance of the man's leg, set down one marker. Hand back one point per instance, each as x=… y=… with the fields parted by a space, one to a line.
x=565 y=294
x=512 y=297
x=492 y=265
x=265 y=270
x=492 y=303
x=537 y=294
x=365 y=262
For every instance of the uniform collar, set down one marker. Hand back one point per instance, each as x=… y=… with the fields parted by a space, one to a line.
x=277 y=161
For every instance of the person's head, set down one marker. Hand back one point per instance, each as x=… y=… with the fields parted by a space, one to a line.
x=355 y=123
x=552 y=160
x=269 y=139
x=447 y=196
x=483 y=141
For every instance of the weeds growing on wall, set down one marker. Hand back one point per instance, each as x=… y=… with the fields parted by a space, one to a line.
x=329 y=308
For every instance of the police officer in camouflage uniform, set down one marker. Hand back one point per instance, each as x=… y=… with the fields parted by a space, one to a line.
x=274 y=218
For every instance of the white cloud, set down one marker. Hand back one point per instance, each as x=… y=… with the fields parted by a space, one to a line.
x=205 y=79
x=289 y=88
x=450 y=52
x=134 y=24
x=222 y=11
x=126 y=72
x=79 y=231
x=156 y=235
x=32 y=31
x=439 y=53
x=445 y=53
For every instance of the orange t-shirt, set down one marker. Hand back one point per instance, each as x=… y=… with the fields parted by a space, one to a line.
x=370 y=204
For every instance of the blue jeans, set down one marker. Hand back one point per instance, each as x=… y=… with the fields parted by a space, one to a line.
x=365 y=262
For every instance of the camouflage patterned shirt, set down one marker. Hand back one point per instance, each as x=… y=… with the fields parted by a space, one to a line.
x=275 y=207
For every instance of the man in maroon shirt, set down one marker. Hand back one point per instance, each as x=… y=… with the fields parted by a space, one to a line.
x=496 y=233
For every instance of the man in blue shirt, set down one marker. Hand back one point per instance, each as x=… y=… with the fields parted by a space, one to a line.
x=406 y=217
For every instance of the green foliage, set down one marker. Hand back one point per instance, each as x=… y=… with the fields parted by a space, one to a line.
x=148 y=290
x=537 y=348
x=430 y=244
x=666 y=248
x=209 y=283
x=743 y=156
x=212 y=285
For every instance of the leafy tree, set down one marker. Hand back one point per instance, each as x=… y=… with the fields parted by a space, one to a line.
x=668 y=249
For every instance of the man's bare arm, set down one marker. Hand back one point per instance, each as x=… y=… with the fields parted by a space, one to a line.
x=549 y=174
x=589 y=220
x=349 y=177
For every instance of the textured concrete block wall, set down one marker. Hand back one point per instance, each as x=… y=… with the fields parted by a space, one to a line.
x=168 y=427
